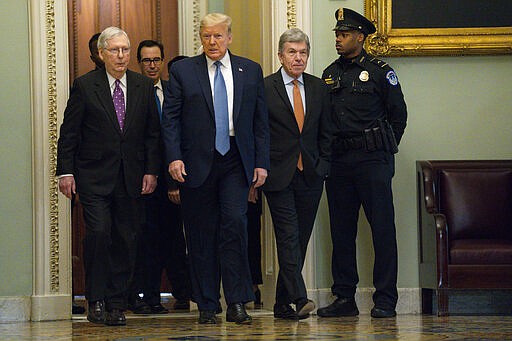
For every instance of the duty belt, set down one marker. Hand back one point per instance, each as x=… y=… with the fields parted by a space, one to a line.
x=373 y=139
x=351 y=143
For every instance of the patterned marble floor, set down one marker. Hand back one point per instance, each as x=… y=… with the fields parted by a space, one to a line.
x=184 y=326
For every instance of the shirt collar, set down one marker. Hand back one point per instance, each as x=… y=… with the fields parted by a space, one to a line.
x=359 y=60
x=226 y=60
x=159 y=84
x=287 y=79
x=112 y=79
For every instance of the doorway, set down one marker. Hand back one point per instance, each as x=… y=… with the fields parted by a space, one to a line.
x=159 y=20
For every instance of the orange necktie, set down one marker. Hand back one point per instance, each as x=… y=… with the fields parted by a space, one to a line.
x=298 y=110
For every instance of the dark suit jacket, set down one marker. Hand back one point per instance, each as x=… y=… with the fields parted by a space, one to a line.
x=91 y=145
x=188 y=124
x=164 y=176
x=285 y=139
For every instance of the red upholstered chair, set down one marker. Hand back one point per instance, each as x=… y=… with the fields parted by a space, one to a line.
x=465 y=227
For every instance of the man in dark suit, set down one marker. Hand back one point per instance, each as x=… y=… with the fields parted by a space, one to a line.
x=300 y=138
x=108 y=153
x=215 y=130
x=95 y=54
x=162 y=242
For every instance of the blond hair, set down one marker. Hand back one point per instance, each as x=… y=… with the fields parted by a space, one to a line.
x=212 y=19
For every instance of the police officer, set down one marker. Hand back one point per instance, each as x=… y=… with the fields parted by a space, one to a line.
x=370 y=114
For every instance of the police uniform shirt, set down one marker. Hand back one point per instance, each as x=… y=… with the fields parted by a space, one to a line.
x=363 y=91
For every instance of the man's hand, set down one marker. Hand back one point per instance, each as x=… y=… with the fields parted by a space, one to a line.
x=253 y=194
x=67 y=186
x=174 y=196
x=177 y=170
x=260 y=175
x=148 y=184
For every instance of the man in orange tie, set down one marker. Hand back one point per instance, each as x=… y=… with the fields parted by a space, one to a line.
x=300 y=139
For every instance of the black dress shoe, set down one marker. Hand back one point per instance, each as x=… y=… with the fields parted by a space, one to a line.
x=236 y=313
x=304 y=307
x=96 y=312
x=285 y=311
x=382 y=313
x=207 y=317
x=115 y=317
x=138 y=306
x=340 y=307
x=182 y=305
x=158 y=309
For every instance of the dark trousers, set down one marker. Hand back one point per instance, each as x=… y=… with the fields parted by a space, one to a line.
x=112 y=223
x=293 y=211
x=216 y=233
x=254 y=211
x=360 y=178
x=163 y=246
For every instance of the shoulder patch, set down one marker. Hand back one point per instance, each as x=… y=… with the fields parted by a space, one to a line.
x=392 y=78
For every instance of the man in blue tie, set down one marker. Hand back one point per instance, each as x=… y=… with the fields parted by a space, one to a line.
x=162 y=242
x=216 y=135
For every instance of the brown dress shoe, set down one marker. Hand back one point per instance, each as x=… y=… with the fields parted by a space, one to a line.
x=304 y=307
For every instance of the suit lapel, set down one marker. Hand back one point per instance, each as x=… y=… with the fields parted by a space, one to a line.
x=133 y=96
x=281 y=91
x=238 y=85
x=310 y=100
x=105 y=98
x=204 y=81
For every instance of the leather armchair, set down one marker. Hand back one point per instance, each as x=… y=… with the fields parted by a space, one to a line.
x=465 y=228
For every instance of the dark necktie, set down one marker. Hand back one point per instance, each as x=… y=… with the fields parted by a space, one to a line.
x=220 y=106
x=298 y=111
x=118 y=98
x=158 y=104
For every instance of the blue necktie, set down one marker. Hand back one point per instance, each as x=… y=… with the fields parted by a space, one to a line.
x=220 y=105
x=158 y=104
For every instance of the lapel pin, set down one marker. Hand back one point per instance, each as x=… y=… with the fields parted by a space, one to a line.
x=240 y=69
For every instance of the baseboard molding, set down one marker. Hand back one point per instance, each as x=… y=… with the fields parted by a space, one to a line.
x=35 y=308
x=51 y=307
x=409 y=299
x=14 y=309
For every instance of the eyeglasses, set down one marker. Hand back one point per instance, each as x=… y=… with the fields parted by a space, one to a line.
x=148 y=61
x=117 y=51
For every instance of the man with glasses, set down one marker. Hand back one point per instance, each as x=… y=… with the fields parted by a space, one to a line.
x=108 y=152
x=162 y=242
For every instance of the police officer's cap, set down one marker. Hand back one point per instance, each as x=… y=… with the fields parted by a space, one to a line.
x=349 y=20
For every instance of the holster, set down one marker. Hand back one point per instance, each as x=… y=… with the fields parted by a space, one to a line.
x=388 y=136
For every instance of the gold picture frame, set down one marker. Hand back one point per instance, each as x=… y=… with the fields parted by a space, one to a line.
x=391 y=42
